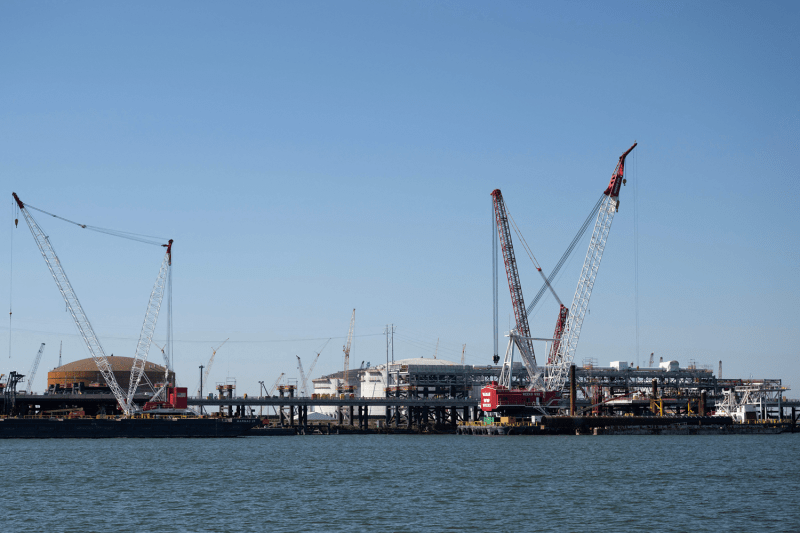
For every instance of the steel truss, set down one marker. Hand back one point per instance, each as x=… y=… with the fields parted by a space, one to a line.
x=148 y=328
x=74 y=305
x=559 y=369
x=82 y=320
x=521 y=333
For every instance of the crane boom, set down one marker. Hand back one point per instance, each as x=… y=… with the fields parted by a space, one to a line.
x=275 y=385
x=522 y=333
x=158 y=393
x=35 y=366
x=304 y=382
x=74 y=306
x=204 y=377
x=557 y=373
x=314 y=363
x=561 y=323
x=346 y=349
x=163 y=354
x=211 y=361
x=149 y=326
x=302 y=377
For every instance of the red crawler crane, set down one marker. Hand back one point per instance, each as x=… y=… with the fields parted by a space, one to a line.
x=545 y=389
x=500 y=394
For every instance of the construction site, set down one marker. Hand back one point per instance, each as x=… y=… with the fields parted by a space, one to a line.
x=518 y=395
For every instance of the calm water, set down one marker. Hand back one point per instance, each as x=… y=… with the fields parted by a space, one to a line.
x=404 y=483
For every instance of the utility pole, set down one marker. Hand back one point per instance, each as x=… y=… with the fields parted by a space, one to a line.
x=386 y=381
x=389 y=330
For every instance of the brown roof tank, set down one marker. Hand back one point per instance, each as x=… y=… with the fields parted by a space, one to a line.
x=85 y=371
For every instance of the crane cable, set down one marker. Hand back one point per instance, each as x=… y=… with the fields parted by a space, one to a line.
x=530 y=255
x=567 y=253
x=522 y=239
x=184 y=341
x=15 y=216
x=636 y=248
x=323 y=346
x=147 y=239
x=495 y=285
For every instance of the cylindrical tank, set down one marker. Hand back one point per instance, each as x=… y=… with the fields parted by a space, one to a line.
x=85 y=371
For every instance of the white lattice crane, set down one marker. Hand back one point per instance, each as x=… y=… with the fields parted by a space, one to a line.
x=148 y=328
x=275 y=385
x=159 y=393
x=82 y=321
x=210 y=362
x=314 y=363
x=559 y=368
x=34 y=367
x=346 y=349
x=303 y=377
x=270 y=391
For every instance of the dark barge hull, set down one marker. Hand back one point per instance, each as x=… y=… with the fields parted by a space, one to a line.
x=131 y=428
x=631 y=425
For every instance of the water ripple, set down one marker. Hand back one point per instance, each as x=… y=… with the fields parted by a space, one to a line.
x=404 y=483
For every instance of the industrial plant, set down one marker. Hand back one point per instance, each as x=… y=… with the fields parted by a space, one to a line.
x=518 y=395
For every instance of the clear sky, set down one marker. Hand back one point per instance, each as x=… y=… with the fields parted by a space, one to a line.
x=311 y=158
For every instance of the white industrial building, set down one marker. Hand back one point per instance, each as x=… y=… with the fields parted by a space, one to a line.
x=368 y=383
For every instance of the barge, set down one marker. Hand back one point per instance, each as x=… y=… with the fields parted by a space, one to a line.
x=625 y=425
x=132 y=428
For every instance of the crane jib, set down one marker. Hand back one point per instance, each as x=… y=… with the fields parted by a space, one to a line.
x=521 y=334
x=617 y=178
x=507 y=248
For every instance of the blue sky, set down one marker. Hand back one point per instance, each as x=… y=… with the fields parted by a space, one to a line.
x=313 y=158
